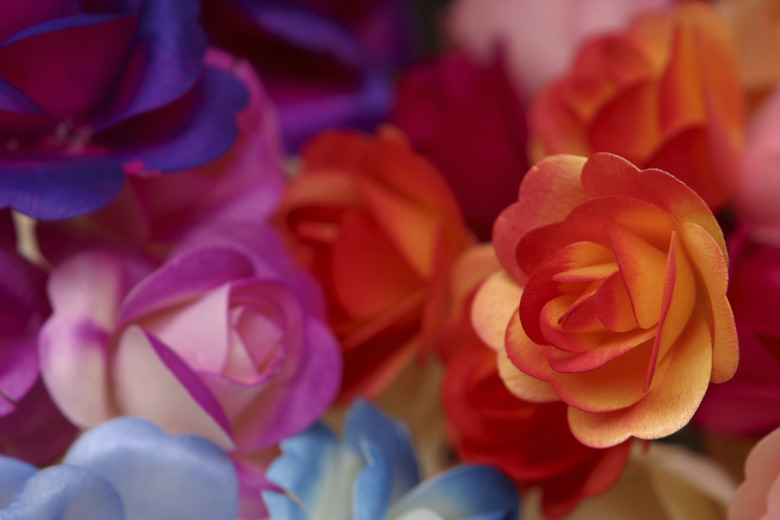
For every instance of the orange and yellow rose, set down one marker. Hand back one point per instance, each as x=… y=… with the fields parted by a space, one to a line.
x=612 y=298
x=665 y=93
x=379 y=227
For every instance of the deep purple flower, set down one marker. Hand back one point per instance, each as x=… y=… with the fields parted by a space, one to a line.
x=325 y=64
x=31 y=427
x=91 y=90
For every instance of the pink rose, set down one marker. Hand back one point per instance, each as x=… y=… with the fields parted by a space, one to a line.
x=225 y=340
x=757 y=497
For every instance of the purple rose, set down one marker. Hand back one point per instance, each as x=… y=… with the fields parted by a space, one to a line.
x=226 y=340
x=31 y=427
x=325 y=64
x=93 y=90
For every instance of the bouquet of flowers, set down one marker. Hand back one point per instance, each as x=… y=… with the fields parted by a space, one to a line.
x=389 y=260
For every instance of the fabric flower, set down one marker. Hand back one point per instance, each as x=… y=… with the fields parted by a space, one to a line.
x=378 y=227
x=468 y=120
x=623 y=313
x=758 y=185
x=749 y=404
x=661 y=482
x=225 y=340
x=663 y=94
x=756 y=498
x=325 y=63
x=31 y=427
x=126 y=469
x=530 y=442
x=85 y=115
x=153 y=213
x=540 y=38
x=372 y=473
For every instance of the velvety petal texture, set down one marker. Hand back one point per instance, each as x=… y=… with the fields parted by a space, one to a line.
x=225 y=340
x=623 y=313
x=372 y=473
x=379 y=228
x=125 y=469
x=74 y=125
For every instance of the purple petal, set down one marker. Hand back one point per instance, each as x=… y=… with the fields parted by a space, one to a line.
x=195 y=129
x=7 y=230
x=152 y=382
x=17 y=15
x=166 y=62
x=59 y=188
x=184 y=277
x=65 y=55
x=18 y=368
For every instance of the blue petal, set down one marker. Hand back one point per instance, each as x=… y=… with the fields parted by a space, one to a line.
x=205 y=127
x=171 y=45
x=372 y=493
x=63 y=492
x=318 y=471
x=13 y=474
x=59 y=188
x=159 y=477
x=467 y=493
x=364 y=421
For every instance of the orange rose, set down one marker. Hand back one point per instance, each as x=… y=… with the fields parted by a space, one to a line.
x=663 y=94
x=379 y=228
x=622 y=313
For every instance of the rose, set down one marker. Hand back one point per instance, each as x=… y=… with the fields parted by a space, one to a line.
x=748 y=405
x=663 y=94
x=379 y=228
x=224 y=340
x=623 y=314
x=756 y=497
x=326 y=64
x=153 y=212
x=73 y=125
x=468 y=120
x=122 y=470
x=540 y=39
x=487 y=424
x=31 y=427
x=372 y=473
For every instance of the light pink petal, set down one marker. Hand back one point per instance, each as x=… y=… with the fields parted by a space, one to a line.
x=151 y=382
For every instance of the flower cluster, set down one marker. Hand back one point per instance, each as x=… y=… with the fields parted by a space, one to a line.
x=237 y=236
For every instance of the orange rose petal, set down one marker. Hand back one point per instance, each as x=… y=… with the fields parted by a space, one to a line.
x=587 y=273
x=613 y=304
x=540 y=288
x=585 y=224
x=557 y=127
x=494 y=305
x=549 y=191
x=521 y=384
x=527 y=355
x=633 y=138
x=679 y=298
x=681 y=85
x=358 y=254
x=666 y=408
x=556 y=313
x=610 y=348
x=607 y=175
x=642 y=267
x=614 y=385
x=709 y=262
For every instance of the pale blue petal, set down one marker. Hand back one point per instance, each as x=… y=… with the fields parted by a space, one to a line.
x=13 y=474
x=319 y=471
x=65 y=493
x=372 y=493
x=159 y=476
x=464 y=493
x=365 y=421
